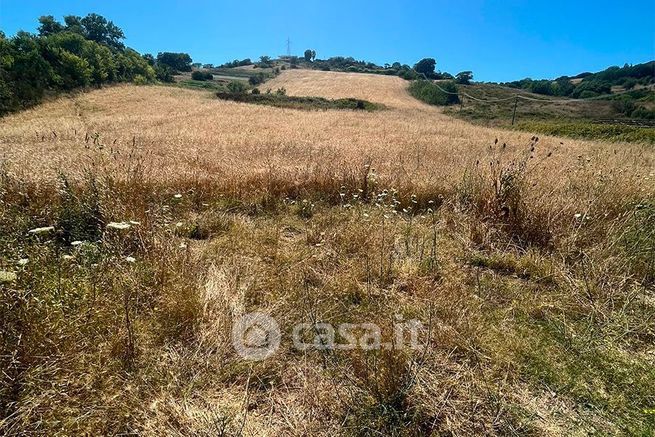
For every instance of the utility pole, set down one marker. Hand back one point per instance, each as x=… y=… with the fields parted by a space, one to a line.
x=288 y=47
x=516 y=102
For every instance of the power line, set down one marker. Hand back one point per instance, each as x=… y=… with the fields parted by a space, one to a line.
x=532 y=99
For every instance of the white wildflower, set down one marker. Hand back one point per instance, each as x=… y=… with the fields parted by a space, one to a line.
x=68 y=257
x=42 y=230
x=130 y=259
x=577 y=215
x=183 y=245
x=7 y=276
x=118 y=225
x=77 y=243
x=23 y=261
x=178 y=196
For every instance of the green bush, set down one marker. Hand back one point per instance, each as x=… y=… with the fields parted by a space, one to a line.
x=236 y=87
x=256 y=79
x=85 y=51
x=202 y=75
x=434 y=94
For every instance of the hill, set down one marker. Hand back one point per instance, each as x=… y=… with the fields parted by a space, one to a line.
x=140 y=224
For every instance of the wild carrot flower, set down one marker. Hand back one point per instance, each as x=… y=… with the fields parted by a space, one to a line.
x=7 y=276
x=118 y=225
x=42 y=230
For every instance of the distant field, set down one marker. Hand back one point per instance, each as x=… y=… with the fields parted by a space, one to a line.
x=138 y=223
x=586 y=119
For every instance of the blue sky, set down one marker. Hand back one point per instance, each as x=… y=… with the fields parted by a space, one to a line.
x=499 y=40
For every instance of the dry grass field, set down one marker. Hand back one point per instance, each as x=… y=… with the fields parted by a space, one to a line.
x=530 y=262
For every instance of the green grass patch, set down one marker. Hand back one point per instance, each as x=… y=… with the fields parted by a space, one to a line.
x=202 y=85
x=592 y=131
x=591 y=371
x=295 y=102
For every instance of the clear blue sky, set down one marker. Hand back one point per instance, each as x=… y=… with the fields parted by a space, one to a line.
x=500 y=40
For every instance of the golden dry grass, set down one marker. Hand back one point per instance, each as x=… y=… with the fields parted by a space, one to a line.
x=187 y=132
x=491 y=365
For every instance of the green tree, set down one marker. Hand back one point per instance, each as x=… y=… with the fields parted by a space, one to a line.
x=176 y=61
x=464 y=77
x=164 y=73
x=426 y=66
x=97 y=28
x=49 y=26
x=265 y=61
x=30 y=72
x=74 y=24
x=308 y=55
x=7 y=98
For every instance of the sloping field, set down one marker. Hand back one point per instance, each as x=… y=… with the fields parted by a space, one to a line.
x=388 y=90
x=187 y=132
x=138 y=223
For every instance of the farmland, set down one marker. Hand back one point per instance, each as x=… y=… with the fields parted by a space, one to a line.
x=528 y=259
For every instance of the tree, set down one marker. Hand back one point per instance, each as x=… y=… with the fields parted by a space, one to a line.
x=464 y=77
x=49 y=26
x=149 y=59
x=425 y=66
x=202 y=75
x=176 y=61
x=97 y=28
x=308 y=55
x=74 y=24
x=265 y=61
x=164 y=73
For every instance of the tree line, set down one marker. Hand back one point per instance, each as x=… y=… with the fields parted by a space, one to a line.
x=586 y=85
x=80 y=52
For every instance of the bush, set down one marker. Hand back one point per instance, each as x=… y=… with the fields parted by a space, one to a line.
x=434 y=94
x=256 y=79
x=236 y=87
x=164 y=73
x=201 y=75
x=140 y=80
x=255 y=91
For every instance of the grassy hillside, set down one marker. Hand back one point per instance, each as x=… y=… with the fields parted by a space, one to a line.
x=138 y=224
x=599 y=118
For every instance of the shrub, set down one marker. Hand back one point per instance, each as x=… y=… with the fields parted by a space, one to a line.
x=256 y=79
x=236 y=87
x=202 y=75
x=164 y=73
x=255 y=91
x=434 y=94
